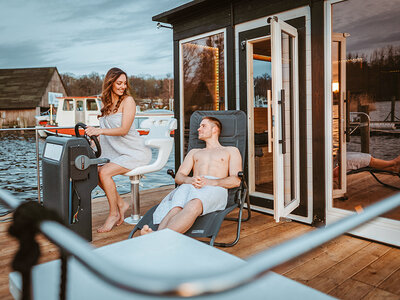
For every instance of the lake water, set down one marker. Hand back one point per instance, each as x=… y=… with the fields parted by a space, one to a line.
x=381 y=146
x=18 y=169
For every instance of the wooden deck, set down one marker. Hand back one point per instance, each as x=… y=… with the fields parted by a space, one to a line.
x=363 y=190
x=346 y=268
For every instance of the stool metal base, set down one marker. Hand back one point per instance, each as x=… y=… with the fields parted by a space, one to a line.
x=133 y=219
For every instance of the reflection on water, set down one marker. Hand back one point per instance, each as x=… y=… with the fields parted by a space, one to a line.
x=18 y=169
x=381 y=146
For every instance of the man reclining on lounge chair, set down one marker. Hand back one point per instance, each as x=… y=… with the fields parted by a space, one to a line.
x=215 y=170
x=358 y=160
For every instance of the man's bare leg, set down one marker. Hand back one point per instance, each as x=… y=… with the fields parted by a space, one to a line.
x=184 y=219
x=384 y=164
x=106 y=182
x=172 y=213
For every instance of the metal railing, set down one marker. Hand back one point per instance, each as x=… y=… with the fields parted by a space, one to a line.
x=36 y=129
x=159 y=285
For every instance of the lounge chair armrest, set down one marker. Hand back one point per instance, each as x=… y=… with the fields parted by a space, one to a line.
x=171 y=173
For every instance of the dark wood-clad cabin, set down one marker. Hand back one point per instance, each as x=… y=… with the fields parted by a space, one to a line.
x=297 y=68
x=24 y=93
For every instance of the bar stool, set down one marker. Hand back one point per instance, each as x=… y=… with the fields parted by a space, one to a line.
x=159 y=137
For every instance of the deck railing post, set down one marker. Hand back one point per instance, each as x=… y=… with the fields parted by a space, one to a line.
x=37 y=164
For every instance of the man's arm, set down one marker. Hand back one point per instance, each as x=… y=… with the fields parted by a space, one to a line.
x=181 y=176
x=235 y=166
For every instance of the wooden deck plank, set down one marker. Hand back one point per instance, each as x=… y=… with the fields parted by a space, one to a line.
x=381 y=294
x=346 y=268
x=258 y=234
x=351 y=289
x=339 y=250
x=381 y=269
x=392 y=284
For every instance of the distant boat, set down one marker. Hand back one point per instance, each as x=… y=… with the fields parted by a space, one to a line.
x=72 y=110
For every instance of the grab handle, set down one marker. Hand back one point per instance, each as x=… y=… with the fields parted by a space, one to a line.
x=269 y=118
x=283 y=121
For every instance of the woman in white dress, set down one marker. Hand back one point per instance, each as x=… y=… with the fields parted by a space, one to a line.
x=119 y=141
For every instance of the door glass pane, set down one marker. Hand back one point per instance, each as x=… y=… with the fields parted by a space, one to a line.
x=68 y=105
x=203 y=77
x=372 y=64
x=337 y=105
x=287 y=119
x=263 y=159
x=79 y=105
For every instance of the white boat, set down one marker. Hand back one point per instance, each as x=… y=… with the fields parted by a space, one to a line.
x=72 y=110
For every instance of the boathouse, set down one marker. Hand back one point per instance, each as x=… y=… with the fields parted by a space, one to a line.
x=313 y=78
x=25 y=92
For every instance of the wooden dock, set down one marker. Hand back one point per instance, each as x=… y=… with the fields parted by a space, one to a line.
x=346 y=268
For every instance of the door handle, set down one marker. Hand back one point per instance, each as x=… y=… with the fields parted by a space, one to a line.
x=269 y=118
x=283 y=121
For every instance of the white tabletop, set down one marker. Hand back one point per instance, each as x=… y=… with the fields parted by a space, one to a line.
x=162 y=253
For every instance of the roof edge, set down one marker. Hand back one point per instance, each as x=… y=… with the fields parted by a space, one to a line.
x=166 y=16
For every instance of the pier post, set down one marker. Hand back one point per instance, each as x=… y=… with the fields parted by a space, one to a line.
x=393 y=109
x=364 y=130
x=347 y=103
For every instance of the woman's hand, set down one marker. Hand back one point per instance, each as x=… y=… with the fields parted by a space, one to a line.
x=93 y=131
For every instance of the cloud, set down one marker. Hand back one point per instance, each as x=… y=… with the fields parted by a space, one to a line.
x=371 y=24
x=24 y=54
x=84 y=36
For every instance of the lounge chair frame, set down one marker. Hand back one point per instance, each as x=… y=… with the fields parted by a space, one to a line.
x=207 y=226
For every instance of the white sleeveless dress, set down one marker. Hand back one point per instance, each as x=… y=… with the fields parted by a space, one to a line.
x=128 y=151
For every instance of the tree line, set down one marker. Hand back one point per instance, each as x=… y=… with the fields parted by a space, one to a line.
x=142 y=87
x=377 y=74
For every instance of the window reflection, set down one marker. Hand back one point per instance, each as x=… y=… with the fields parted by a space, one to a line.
x=372 y=92
x=203 y=76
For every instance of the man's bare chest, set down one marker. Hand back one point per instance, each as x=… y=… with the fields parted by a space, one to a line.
x=211 y=156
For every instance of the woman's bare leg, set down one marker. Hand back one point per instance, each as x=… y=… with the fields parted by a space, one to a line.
x=117 y=205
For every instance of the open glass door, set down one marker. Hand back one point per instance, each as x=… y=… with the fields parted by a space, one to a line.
x=284 y=54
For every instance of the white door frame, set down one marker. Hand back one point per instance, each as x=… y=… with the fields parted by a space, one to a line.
x=257 y=23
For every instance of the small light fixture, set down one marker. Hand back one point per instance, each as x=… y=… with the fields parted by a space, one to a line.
x=335 y=87
x=159 y=25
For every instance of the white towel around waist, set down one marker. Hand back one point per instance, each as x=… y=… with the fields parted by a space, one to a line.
x=213 y=198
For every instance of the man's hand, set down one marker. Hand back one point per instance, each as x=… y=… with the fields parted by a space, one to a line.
x=199 y=181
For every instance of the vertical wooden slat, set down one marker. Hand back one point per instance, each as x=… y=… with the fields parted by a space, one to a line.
x=318 y=110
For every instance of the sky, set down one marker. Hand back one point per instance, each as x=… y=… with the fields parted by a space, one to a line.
x=371 y=24
x=85 y=36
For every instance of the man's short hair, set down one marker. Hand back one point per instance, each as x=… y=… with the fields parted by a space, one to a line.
x=215 y=121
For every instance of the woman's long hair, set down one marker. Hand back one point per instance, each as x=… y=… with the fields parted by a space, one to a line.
x=111 y=76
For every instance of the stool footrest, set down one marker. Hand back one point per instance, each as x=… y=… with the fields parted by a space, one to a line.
x=133 y=219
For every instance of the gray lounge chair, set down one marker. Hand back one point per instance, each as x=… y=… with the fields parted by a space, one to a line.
x=233 y=134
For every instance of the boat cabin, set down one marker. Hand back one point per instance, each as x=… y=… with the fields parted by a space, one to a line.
x=72 y=110
x=314 y=78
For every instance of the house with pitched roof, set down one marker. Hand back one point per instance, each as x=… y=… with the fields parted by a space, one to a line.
x=25 y=93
